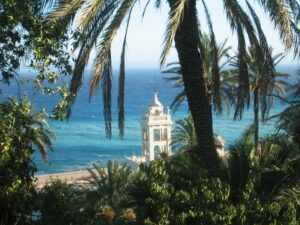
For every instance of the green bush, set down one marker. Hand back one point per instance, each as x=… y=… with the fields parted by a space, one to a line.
x=55 y=204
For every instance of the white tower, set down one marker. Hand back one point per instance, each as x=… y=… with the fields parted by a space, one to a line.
x=156 y=130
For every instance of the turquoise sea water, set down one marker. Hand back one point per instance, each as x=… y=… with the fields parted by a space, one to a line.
x=81 y=140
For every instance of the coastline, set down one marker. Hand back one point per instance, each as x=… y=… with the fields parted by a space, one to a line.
x=68 y=177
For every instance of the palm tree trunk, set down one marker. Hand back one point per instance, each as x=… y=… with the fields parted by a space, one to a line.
x=187 y=45
x=256 y=119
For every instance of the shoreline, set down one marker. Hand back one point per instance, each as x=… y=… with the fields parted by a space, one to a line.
x=69 y=177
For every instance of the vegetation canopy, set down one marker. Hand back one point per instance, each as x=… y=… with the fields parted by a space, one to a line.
x=96 y=25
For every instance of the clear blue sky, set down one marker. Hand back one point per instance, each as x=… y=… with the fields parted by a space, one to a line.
x=145 y=36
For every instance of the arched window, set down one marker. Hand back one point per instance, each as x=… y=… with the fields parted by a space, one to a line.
x=164 y=135
x=156 y=135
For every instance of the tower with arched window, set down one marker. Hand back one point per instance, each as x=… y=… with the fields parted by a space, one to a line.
x=156 y=125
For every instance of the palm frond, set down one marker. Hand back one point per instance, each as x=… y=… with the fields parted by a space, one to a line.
x=231 y=10
x=121 y=94
x=178 y=82
x=296 y=39
x=176 y=68
x=240 y=21
x=184 y=135
x=280 y=15
x=177 y=101
x=145 y=8
x=65 y=10
x=106 y=94
x=48 y=3
x=206 y=53
x=42 y=149
x=105 y=44
x=46 y=136
x=243 y=88
x=89 y=11
x=98 y=175
x=223 y=49
x=266 y=67
x=175 y=17
x=86 y=44
x=27 y=128
x=214 y=64
x=110 y=181
x=294 y=8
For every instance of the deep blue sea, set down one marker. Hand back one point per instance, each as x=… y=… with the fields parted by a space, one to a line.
x=81 y=140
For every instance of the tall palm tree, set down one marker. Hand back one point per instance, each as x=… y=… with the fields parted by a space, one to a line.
x=99 y=21
x=264 y=86
x=226 y=80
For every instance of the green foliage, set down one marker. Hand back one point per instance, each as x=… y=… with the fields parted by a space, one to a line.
x=111 y=182
x=103 y=204
x=263 y=184
x=289 y=120
x=224 y=88
x=183 y=134
x=55 y=204
x=164 y=193
x=177 y=190
x=265 y=181
x=265 y=85
x=22 y=32
x=150 y=193
x=25 y=35
x=22 y=133
x=14 y=15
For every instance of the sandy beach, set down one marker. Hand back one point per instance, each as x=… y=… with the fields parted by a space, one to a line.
x=69 y=177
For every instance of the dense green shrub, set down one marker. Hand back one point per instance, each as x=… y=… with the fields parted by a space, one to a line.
x=55 y=204
x=156 y=194
x=175 y=191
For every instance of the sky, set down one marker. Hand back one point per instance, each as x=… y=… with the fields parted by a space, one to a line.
x=145 y=37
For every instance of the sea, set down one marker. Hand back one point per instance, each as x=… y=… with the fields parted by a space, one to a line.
x=81 y=140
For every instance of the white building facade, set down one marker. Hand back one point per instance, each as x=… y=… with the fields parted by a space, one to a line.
x=156 y=127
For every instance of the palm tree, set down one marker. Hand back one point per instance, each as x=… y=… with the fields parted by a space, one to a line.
x=226 y=80
x=110 y=182
x=29 y=129
x=100 y=20
x=184 y=135
x=265 y=86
